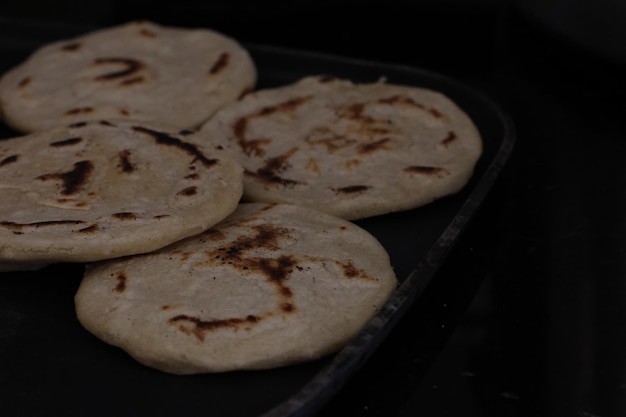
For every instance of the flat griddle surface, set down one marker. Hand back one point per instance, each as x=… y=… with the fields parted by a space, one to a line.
x=51 y=366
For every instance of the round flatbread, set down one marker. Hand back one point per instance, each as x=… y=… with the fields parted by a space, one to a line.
x=271 y=285
x=139 y=70
x=352 y=150
x=105 y=189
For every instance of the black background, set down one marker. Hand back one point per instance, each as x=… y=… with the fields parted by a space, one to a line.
x=527 y=317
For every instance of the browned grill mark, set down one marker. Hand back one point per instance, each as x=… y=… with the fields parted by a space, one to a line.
x=198 y=327
x=245 y=91
x=147 y=33
x=168 y=140
x=121 y=280
x=77 y=125
x=130 y=67
x=123 y=112
x=20 y=226
x=67 y=142
x=220 y=64
x=74 y=46
x=449 y=139
x=269 y=172
x=24 y=82
x=134 y=80
x=74 y=202
x=125 y=215
x=364 y=127
x=352 y=111
x=72 y=180
x=267 y=236
x=351 y=272
x=403 y=100
x=436 y=113
x=124 y=162
x=90 y=229
x=185 y=256
x=189 y=191
x=193 y=176
x=271 y=179
x=9 y=160
x=287 y=307
x=351 y=189
x=326 y=137
x=276 y=270
x=79 y=110
x=326 y=78
x=284 y=107
x=426 y=170
x=269 y=206
x=214 y=235
x=106 y=123
x=248 y=146
x=186 y=132
x=277 y=164
x=371 y=147
x=240 y=126
x=393 y=100
x=286 y=291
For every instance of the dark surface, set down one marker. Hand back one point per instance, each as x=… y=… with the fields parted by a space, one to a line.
x=527 y=317
x=37 y=306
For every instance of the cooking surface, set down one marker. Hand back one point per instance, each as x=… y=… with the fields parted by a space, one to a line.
x=416 y=240
x=527 y=316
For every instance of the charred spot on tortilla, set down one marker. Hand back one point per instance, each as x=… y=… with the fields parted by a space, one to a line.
x=126 y=215
x=220 y=64
x=71 y=47
x=66 y=142
x=189 y=191
x=73 y=180
x=426 y=170
x=169 y=140
x=79 y=110
x=9 y=160
x=352 y=189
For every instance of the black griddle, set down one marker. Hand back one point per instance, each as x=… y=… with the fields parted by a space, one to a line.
x=51 y=366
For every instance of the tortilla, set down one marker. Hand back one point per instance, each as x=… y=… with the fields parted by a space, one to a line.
x=271 y=285
x=139 y=70
x=351 y=150
x=99 y=190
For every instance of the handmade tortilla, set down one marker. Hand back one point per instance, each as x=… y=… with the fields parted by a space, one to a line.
x=105 y=189
x=269 y=286
x=352 y=150
x=139 y=70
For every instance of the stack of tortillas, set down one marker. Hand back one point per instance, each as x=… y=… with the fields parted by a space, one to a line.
x=140 y=142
